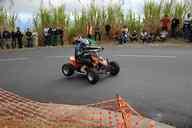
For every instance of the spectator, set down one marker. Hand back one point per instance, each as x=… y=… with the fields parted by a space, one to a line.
x=165 y=23
x=54 y=36
x=163 y=35
x=6 y=38
x=50 y=35
x=174 y=27
x=124 y=35
x=89 y=30
x=124 y=29
x=29 y=38
x=144 y=36
x=1 y=40
x=187 y=27
x=97 y=32
x=19 y=37
x=13 y=39
x=61 y=35
x=108 y=29
x=134 y=36
x=46 y=36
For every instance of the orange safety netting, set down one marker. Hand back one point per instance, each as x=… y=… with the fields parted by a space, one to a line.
x=114 y=113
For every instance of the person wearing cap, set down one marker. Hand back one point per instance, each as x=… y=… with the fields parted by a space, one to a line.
x=187 y=27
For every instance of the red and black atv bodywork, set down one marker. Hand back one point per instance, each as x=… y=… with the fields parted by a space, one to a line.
x=100 y=65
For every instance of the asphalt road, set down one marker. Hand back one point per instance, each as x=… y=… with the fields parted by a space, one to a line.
x=158 y=82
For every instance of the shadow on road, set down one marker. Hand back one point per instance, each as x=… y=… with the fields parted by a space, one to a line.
x=81 y=80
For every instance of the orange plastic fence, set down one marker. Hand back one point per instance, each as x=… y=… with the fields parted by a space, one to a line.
x=113 y=113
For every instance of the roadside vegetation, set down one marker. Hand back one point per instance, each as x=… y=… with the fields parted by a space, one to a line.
x=75 y=23
x=7 y=20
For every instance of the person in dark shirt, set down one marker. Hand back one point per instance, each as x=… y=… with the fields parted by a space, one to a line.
x=13 y=39
x=61 y=35
x=187 y=27
x=50 y=36
x=46 y=36
x=29 y=38
x=6 y=38
x=19 y=37
x=54 y=37
x=134 y=36
x=1 y=40
x=174 y=27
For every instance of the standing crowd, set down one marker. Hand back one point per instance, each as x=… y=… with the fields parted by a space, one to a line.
x=15 y=39
x=52 y=36
x=169 y=27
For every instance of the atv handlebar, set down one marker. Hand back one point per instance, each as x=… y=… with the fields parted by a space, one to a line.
x=94 y=49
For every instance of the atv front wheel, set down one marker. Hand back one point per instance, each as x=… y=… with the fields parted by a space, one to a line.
x=67 y=70
x=114 y=68
x=92 y=77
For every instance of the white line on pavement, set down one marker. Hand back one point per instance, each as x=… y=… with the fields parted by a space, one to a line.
x=13 y=59
x=125 y=55
x=120 y=55
x=57 y=56
x=145 y=56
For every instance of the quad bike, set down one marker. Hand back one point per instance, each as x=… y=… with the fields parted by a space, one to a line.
x=100 y=65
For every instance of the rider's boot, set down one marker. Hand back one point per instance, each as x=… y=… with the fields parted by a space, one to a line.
x=83 y=69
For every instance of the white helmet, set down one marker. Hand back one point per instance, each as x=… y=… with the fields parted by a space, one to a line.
x=85 y=41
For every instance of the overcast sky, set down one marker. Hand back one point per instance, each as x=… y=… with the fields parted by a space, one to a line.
x=26 y=9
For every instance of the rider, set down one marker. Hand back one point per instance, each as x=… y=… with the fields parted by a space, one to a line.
x=81 y=54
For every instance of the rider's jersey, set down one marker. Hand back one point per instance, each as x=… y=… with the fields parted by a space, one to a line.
x=79 y=48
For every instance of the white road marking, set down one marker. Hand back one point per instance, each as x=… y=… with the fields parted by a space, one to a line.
x=57 y=56
x=120 y=55
x=125 y=55
x=13 y=59
x=144 y=56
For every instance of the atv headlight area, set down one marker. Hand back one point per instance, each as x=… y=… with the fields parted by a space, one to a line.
x=72 y=58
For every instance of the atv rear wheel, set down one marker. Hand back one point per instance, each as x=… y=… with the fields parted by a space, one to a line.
x=67 y=70
x=115 y=69
x=92 y=77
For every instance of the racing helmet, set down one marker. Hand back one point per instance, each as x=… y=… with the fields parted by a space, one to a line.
x=85 y=41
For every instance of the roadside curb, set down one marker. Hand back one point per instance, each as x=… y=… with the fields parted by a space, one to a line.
x=113 y=45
